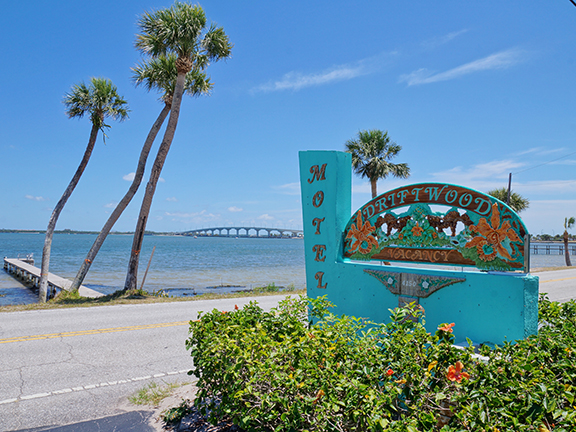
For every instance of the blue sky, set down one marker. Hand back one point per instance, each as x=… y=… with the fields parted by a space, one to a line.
x=471 y=90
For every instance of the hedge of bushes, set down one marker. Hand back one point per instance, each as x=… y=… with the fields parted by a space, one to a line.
x=276 y=371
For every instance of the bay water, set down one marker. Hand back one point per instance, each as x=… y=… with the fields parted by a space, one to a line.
x=181 y=265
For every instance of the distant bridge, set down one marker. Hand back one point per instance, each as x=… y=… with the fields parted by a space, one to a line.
x=245 y=232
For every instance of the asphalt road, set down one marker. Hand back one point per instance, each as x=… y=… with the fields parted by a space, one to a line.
x=64 y=366
x=559 y=285
x=67 y=366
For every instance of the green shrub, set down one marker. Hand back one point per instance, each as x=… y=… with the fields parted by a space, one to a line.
x=277 y=371
x=173 y=416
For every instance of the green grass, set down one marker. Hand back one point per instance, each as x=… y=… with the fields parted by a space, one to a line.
x=66 y=300
x=153 y=394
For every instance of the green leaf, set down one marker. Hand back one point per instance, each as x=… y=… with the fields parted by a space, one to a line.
x=439 y=396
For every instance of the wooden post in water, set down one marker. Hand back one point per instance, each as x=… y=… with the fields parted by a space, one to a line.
x=146 y=272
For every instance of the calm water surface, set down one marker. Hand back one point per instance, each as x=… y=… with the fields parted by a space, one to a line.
x=180 y=265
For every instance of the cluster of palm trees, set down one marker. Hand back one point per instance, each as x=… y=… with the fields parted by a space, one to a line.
x=178 y=47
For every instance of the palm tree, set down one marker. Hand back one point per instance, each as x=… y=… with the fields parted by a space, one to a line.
x=179 y=30
x=517 y=201
x=371 y=155
x=568 y=224
x=159 y=74
x=99 y=99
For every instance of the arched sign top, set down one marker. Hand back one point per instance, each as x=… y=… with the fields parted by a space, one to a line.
x=400 y=225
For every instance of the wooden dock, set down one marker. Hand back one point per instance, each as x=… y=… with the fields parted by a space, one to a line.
x=551 y=249
x=30 y=275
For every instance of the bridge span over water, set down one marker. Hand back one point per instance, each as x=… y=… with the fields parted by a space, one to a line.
x=245 y=232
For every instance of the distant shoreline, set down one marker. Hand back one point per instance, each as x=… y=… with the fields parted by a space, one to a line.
x=551 y=241
x=148 y=233
x=67 y=231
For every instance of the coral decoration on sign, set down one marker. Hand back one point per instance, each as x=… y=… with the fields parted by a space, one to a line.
x=361 y=236
x=489 y=244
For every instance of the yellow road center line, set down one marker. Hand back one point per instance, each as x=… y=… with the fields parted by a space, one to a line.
x=557 y=280
x=91 y=332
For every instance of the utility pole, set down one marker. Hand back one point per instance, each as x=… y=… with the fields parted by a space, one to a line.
x=509 y=187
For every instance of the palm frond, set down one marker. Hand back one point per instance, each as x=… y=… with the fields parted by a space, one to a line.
x=371 y=153
x=160 y=74
x=181 y=30
x=172 y=30
x=77 y=101
x=216 y=44
x=99 y=100
x=517 y=201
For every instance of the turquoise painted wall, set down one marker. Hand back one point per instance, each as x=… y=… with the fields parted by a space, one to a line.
x=486 y=307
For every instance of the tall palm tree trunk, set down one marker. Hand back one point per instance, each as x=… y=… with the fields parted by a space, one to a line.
x=566 y=251
x=43 y=291
x=132 y=274
x=373 y=182
x=85 y=267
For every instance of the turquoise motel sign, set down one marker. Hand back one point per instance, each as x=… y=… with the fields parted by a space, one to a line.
x=459 y=253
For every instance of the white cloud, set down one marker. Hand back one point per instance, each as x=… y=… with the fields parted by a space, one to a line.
x=35 y=198
x=234 y=209
x=547 y=216
x=130 y=177
x=182 y=215
x=500 y=60
x=195 y=217
x=297 y=80
x=111 y=204
x=172 y=199
x=564 y=162
x=494 y=174
x=540 y=151
x=498 y=169
x=289 y=188
x=441 y=40
x=545 y=187
x=265 y=216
